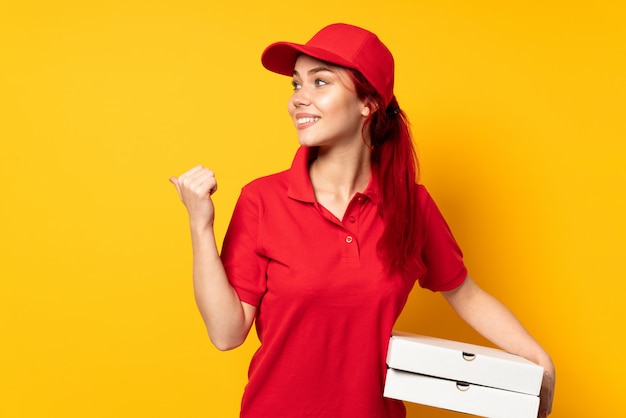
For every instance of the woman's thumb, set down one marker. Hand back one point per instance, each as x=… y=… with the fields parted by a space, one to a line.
x=174 y=181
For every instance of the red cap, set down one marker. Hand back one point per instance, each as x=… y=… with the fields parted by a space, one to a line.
x=341 y=44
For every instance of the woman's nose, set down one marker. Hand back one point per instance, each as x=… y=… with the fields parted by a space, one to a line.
x=300 y=97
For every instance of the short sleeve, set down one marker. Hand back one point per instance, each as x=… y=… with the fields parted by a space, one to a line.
x=245 y=267
x=445 y=269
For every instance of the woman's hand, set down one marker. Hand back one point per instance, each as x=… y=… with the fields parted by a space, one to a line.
x=195 y=188
x=547 y=394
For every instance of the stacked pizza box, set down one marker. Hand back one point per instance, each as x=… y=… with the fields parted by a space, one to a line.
x=462 y=377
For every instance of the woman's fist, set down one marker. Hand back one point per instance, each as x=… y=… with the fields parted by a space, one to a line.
x=195 y=188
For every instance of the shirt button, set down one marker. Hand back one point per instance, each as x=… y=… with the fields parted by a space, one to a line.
x=349 y=239
x=352 y=219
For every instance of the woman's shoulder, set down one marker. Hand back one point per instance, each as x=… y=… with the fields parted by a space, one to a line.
x=270 y=182
x=425 y=200
x=423 y=195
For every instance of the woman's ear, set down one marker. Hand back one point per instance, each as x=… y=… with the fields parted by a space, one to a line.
x=368 y=108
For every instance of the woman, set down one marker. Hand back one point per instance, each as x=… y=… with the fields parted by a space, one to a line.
x=323 y=256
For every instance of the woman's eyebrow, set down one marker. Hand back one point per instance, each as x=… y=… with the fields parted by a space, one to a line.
x=315 y=70
x=319 y=69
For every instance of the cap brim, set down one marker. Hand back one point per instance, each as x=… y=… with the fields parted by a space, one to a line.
x=280 y=57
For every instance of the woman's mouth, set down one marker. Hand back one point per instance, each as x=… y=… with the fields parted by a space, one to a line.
x=306 y=121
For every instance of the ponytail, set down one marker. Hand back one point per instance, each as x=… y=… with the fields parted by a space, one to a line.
x=395 y=163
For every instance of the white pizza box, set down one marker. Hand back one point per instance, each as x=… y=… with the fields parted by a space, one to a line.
x=463 y=362
x=458 y=396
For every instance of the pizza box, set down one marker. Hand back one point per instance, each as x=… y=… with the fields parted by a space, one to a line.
x=463 y=362
x=459 y=396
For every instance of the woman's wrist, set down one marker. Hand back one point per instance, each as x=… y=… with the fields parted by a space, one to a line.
x=545 y=361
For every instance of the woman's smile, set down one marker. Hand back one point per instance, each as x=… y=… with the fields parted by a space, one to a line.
x=304 y=121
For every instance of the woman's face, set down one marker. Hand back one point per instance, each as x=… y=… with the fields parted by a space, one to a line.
x=324 y=106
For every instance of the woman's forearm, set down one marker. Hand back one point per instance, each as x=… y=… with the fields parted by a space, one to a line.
x=494 y=321
x=227 y=319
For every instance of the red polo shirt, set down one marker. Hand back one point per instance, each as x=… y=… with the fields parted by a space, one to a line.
x=326 y=307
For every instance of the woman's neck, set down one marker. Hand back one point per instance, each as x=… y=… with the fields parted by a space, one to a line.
x=337 y=174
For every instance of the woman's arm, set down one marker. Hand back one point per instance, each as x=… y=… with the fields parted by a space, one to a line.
x=227 y=318
x=494 y=321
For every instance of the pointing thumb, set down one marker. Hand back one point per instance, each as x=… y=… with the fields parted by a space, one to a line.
x=174 y=181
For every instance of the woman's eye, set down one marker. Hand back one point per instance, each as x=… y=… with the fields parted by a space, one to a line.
x=320 y=82
x=295 y=85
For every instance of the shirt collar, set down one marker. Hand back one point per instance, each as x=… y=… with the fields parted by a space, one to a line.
x=300 y=186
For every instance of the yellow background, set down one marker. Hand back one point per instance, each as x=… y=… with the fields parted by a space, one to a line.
x=518 y=113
